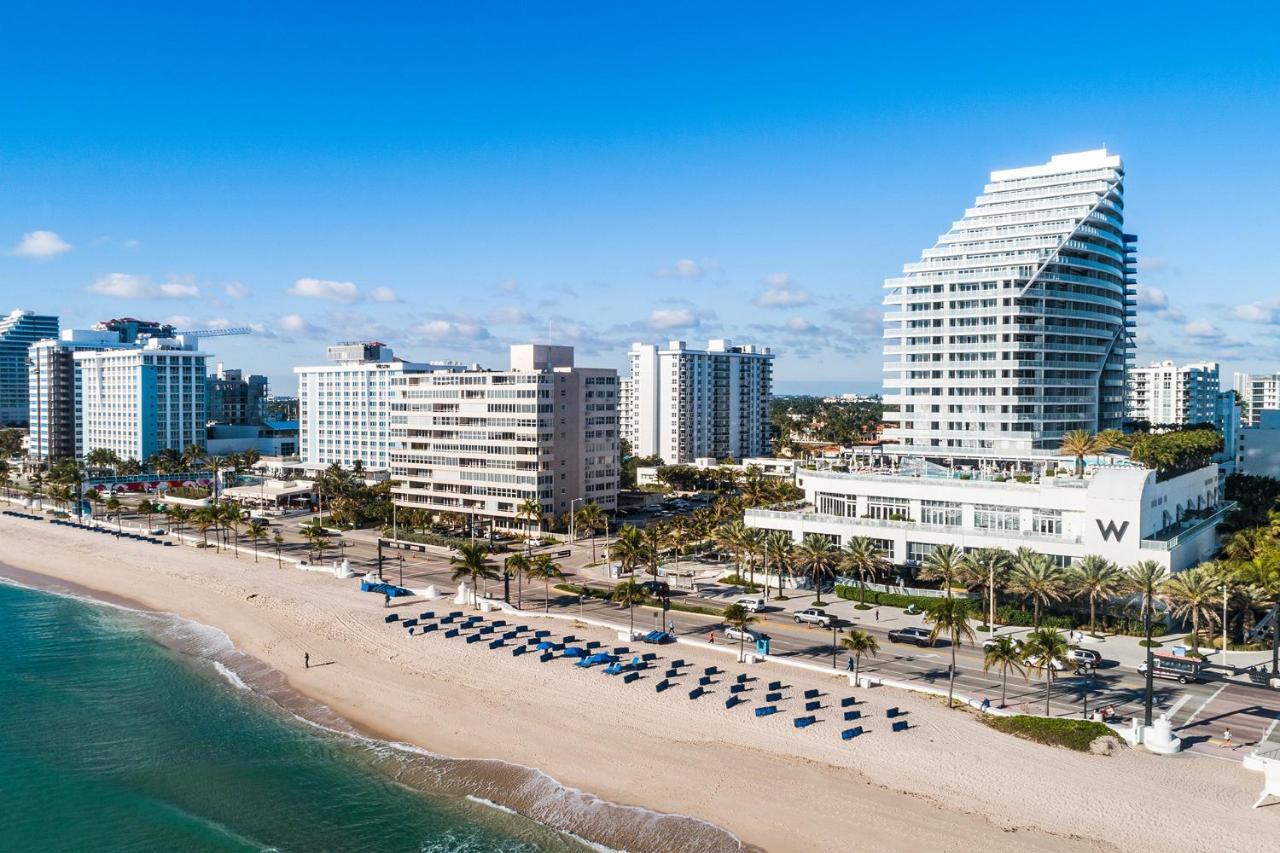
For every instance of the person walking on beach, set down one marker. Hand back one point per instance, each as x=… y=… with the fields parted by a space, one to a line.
x=849 y=664
x=386 y=599
x=306 y=660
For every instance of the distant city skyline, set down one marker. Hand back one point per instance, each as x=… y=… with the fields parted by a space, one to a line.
x=755 y=180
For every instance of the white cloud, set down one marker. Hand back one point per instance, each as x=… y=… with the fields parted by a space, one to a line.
x=451 y=330
x=867 y=320
x=1156 y=302
x=236 y=290
x=296 y=324
x=1150 y=264
x=41 y=244
x=509 y=286
x=383 y=294
x=800 y=324
x=127 y=286
x=672 y=318
x=131 y=244
x=780 y=292
x=320 y=288
x=508 y=315
x=683 y=268
x=1202 y=329
x=1259 y=312
x=180 y=321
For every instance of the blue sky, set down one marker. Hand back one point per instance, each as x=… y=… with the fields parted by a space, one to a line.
x=452 y=180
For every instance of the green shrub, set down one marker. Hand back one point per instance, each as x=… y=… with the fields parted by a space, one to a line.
x=439 y=539
x=1054 y=731
x=738 y=580
x=193 y=493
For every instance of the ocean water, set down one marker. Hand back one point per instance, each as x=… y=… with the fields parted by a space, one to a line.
x=127 y=730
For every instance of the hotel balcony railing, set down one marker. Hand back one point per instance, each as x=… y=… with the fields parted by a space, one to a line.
x=1187 y=529
x=763 y=515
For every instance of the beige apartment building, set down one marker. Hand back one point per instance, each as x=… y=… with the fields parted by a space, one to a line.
x=481 y=442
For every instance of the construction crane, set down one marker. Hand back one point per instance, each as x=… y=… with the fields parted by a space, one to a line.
x=217 y=333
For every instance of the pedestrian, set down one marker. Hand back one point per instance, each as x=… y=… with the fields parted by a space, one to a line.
x=671 y=627
x=1226 y=736
x=711 y=637
x=877 y=614
x=986 y=705
x=386 y=599
x=848 y=664
x=306 y=660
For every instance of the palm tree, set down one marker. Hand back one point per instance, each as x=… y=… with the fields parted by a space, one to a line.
x=1145 y=579
x=257 y=531
x=781 y=547
x=232 y=516
x=1081 y=443
x=592 y=519
x=651 y=538
x=517 y=564
x=732 y=538
x=6 y=476
x=204 y=518
x=1097 y=578
x=987 y=568
x=529 y=511
x=951 y=618
x=544 y=569
x=277 y=539
x=94 y=497
x=1003 y=651
x=179 y=516
x=738 y=616
x=752 y=547
x=818 y=557
x=114 y=507
x=860 y=643
x=193 y=456
x=863 y=557
x=1193 y=593
x=943 y=564
x=1039 y=578
x=628 y=549
x=628 y=594
x=1047 y=651
x=472 y=562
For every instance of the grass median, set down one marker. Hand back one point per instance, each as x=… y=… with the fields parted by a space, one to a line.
x=1071 y=734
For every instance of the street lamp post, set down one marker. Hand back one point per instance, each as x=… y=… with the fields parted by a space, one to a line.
x=1223 y=590
x=835 y=646
x=1150 y=686
x=400 y=557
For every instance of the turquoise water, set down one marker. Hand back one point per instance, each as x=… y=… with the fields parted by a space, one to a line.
x=113 y=740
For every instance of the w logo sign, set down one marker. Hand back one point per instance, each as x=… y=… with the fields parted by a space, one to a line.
x=1110 y=529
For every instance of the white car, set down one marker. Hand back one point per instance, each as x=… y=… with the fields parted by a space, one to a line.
x=1034 y=661
x=989 y=643
x=753 y=605
x=732 y=633
x=533 y=543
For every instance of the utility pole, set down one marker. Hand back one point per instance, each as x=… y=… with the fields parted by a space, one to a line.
x=1150 y=688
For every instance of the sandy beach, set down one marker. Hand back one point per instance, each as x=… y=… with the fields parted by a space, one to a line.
x=949 y=783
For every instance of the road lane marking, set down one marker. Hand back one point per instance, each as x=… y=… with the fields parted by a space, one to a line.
x=1177 y=706
x=1202 y=706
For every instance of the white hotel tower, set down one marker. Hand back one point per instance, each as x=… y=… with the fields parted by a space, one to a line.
x=1015 y=327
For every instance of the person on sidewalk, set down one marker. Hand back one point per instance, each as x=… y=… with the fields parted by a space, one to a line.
x=306 y=660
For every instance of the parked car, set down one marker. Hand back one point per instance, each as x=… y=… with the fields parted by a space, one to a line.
x=1034 y=661
x=752 y=603
x=990 y=642
x=814 y=616
x=534 y=543
x=732 y=633
x=919 y=636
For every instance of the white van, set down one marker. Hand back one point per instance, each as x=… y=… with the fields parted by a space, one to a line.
x=753 y=605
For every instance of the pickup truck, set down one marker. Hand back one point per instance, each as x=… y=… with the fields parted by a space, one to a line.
x=813 y=616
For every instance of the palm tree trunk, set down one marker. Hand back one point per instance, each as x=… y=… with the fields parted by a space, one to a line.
x=546 y=595
x=1092 y=606
x=519 y=590
x=857 y=664
x=1195 y=631
x=951 y=678
x=862 y=598
x=1004 y=685
x=1048 y=687
x=742 y=640
x=1035 y=621
x=255 y=551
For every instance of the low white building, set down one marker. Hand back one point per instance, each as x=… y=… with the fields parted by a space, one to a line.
x=768 y=466
x=1122 y=513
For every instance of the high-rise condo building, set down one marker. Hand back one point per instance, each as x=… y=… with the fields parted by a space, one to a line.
x=1258 y=392
x=482 y=442
x=18 y=331
x=683 y=404
x=344 y=407
x=53 y=415
x=234 y=398
x=137 y=400
x=1015 y=327
x=1166 y=394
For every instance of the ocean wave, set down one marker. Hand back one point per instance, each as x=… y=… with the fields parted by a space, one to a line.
x=230 y=675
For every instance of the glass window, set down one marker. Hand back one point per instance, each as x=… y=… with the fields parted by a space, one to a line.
x=940 y=512
x=893 y=509
x=988 y=517
x=1047 y=522
x=917 y=552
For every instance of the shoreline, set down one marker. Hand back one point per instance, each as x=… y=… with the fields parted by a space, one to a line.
x=767 y=784
x=268 y=684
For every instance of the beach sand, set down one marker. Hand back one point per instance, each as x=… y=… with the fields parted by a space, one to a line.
x=949 y=783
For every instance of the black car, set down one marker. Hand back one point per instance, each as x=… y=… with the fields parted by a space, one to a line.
x=919 y=636
x=658 y=589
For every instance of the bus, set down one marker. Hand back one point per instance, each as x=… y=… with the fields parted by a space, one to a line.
x=1177 y=667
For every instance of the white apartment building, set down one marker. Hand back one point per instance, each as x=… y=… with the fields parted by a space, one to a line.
x=1166 y=394
x=141 y=399
x=684 y=403
x=1015 y=327
x=344 y=406
x=53 y=413
x=1257 y=392
x=1121 y=512
x=481 y=442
